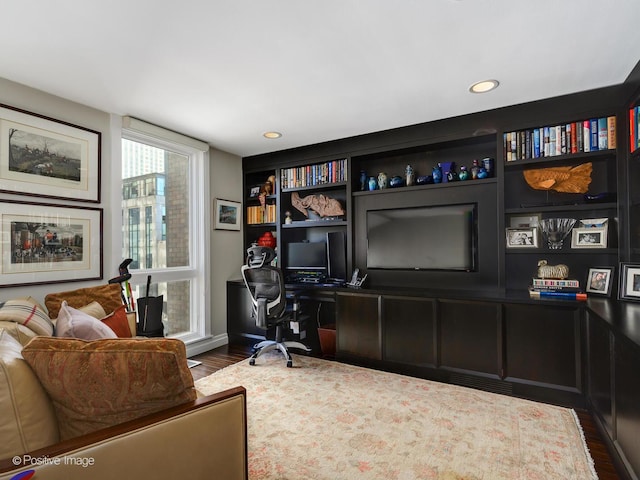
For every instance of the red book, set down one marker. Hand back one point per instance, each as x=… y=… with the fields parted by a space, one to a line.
x=574 y=138
x=632 y=129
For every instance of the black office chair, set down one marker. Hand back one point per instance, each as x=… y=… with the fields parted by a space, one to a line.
x=266 y=286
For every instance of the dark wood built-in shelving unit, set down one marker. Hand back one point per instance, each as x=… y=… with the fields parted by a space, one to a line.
x=480 y=328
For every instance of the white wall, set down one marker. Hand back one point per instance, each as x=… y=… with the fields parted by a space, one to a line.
x=227 y=252
x=226 y=182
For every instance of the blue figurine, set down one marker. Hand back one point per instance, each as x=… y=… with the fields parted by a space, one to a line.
x=363 y=180
x=373 y=183
x=437 y=174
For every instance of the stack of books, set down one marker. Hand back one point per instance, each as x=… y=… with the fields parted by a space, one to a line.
x=552 y=288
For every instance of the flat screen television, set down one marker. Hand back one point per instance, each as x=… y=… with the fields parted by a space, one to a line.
x=307 y=256
x=442 y=237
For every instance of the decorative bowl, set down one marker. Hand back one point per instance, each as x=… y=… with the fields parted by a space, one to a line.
x=555 y=230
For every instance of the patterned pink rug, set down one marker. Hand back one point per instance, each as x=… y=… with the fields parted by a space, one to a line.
x=327 y=420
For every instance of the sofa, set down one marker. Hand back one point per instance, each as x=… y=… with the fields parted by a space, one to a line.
x=107 y=407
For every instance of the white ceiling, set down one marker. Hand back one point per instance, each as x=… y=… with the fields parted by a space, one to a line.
x=225 y=71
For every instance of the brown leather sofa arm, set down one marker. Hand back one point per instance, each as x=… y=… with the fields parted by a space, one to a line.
x=206 y=438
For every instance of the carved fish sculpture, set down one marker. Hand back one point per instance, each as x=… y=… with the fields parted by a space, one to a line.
x=561 y=179
x=321 y=204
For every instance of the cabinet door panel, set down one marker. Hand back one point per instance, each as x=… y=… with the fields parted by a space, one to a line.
x=241 y=324
x=408 y=330
x=543 y=344
x=627 y=396
x=358 y=325
x=599 y=365
x=470 y=336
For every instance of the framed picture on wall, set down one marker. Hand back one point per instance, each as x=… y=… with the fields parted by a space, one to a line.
x=44 y=157
x=44 y=243
x=629 y=282
x=227 y=214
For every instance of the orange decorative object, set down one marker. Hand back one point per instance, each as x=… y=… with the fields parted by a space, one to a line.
x=267 y=240
x=320 y=204
x=561 y=179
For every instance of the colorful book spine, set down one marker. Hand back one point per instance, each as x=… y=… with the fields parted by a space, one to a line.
x=594 y=134
x=603 y=134
x=611 y=132
x=550 y=282
x=633 y=140
x=586 y=136
x=558 y=295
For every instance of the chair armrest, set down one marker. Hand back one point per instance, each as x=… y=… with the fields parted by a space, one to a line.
x=205 y=437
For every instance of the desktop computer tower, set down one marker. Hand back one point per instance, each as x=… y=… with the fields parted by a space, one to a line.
x=337 y=255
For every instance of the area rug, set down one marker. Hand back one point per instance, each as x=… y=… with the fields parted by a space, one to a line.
x=326 y=420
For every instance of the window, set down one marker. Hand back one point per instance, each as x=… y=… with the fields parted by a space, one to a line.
x=164 y=221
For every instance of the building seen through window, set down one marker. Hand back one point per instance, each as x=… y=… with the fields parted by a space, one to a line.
x=155 y=222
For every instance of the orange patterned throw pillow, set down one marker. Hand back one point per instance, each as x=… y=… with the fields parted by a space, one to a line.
x=100 y=383
x=118 y=322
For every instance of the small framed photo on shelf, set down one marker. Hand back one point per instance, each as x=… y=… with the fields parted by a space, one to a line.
x=599 y=280
x=525 y=237
x=629 y=282
x=592 y=237
x=255 y=191
x=524 y=221
x=227 y=215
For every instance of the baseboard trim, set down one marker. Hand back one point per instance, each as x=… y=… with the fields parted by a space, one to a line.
x=208 y=343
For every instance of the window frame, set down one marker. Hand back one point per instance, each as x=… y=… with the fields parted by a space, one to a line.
x=197 y=272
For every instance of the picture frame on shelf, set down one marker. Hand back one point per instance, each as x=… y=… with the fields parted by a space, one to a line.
x=522 y=237
x=227 y=214
x=525 y=221
x=629 y=282
x=600 y=280
x=591 y=237
x=44 y=157
x=254 y=191
x=45 y=243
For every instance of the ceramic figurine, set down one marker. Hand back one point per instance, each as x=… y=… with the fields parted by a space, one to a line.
x=437 y=174
x=363 y=180
x=464 y=174
x=482 y=172
x=373 y=183
x=383 y=180
x=287 y=218
x=475 y=168
x=409 y=175
x=452 y=176
x=396 y=181
x=487 y=163
x=424 y=179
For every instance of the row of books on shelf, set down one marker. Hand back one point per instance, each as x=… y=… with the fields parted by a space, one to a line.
x=258 y=214
x=634 y=128
x=311 y=175
x=576 y=137
x=556 y=289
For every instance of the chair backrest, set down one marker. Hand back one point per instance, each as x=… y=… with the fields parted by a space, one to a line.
x=265 y=284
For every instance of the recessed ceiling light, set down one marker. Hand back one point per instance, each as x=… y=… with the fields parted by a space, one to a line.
x=484 y=86
x=271 y=135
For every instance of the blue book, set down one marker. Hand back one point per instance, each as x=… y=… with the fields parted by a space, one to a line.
x=594 y=134
x=603 y=134
x=536 y=143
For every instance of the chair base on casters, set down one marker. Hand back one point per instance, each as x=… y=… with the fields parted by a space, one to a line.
x=268 y=345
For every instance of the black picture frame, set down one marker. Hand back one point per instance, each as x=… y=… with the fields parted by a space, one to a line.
x=600 y=281
x=629 y=282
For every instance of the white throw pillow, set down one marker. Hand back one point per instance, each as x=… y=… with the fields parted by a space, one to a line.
x=73 y=323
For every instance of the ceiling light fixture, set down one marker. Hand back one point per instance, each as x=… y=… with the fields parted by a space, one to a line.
x=484 y=86
x=271 y=135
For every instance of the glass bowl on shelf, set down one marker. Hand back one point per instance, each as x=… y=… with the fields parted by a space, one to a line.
x=555 y=230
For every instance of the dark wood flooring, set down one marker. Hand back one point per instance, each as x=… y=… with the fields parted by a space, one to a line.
x=229 y=354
